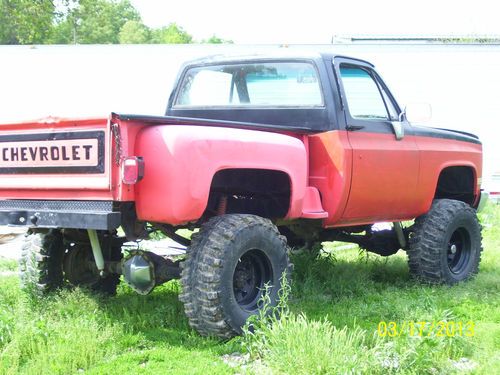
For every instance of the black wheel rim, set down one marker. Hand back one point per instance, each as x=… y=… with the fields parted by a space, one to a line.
x=253 y=271
x=459 y=250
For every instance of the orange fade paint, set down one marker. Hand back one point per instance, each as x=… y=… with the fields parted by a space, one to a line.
x=389 y=180
x=438 y=154
x=355 y=177
x=384 y=178
x=330 y=162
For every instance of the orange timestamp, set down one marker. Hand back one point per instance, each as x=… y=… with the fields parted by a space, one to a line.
x=426 y=328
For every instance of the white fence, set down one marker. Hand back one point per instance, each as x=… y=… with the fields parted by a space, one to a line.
x=461 y=82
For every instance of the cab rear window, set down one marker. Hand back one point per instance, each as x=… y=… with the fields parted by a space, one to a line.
x=263 y=84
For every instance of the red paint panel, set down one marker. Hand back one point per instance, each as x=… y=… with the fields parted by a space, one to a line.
x=70 y=185
x=361 y=177
x=330 y=160
x=127 y=132
x=180 y=162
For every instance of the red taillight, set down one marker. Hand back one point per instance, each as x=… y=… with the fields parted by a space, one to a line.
x=132 y=170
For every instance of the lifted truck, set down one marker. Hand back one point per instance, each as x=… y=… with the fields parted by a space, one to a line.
x=259 y=153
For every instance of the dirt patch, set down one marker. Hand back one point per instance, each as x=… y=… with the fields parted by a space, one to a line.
x=11 y=240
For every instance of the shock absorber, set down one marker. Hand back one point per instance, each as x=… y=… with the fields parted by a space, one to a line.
x=96 y=249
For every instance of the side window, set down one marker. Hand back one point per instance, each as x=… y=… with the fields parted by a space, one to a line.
x=363 y=95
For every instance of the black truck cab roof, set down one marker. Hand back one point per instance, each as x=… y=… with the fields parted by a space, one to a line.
x=251 y=82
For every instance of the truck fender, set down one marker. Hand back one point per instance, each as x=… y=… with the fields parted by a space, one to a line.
x=180 y=162
x=430 y=182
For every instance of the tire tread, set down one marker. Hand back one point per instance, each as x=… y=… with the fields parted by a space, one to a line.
x=424 y=253
x=201 y=274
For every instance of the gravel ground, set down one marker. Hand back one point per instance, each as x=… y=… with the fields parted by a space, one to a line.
x=11 y=240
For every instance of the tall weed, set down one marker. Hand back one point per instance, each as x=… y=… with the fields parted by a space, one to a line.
x=291 y=343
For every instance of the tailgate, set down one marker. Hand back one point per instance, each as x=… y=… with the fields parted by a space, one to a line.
x=39 y=158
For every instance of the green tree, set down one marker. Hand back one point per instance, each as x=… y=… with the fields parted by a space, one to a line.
x=171 y=34
x=83 y=22
x=216 y=40
x=25 y=21
x=66 y=22
x=133 y=32
x=93 y=21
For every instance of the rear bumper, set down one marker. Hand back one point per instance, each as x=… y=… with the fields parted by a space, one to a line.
x=60 y=214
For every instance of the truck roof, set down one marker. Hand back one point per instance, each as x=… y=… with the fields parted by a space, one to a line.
x=278 y=54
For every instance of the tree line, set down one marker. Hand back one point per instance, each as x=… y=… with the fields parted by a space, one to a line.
x=84 y=22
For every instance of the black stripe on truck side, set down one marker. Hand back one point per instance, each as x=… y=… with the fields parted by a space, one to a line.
x=422 y=131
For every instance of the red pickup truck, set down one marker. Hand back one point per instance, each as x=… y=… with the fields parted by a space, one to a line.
x=253 y=152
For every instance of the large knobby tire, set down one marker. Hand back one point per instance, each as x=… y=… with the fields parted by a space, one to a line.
x=40 y=265
x=49 y=261
x=445 y=246
x=228 y=265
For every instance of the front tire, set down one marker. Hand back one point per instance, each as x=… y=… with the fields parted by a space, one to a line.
x=229 y=264
x=445 y=246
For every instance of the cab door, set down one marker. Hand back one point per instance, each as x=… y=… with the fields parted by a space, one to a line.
x=385 y=162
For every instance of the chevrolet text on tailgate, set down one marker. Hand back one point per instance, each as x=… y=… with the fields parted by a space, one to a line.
x=259 y=153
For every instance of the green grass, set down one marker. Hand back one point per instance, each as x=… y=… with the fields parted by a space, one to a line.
x=328 y=326
x=8 y=265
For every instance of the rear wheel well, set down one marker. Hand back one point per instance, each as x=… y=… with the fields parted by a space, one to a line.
x=456 y=183
x=261 y=192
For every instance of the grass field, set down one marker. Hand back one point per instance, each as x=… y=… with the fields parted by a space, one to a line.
x=329 y=326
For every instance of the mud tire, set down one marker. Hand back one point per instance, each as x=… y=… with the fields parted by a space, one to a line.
x=227 y=265
x=40 y=265
x=445 y=244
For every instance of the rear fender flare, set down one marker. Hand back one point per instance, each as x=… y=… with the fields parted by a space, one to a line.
x=181 y=161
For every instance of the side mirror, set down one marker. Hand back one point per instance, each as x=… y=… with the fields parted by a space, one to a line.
x=398 y=129
x=418 y=112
